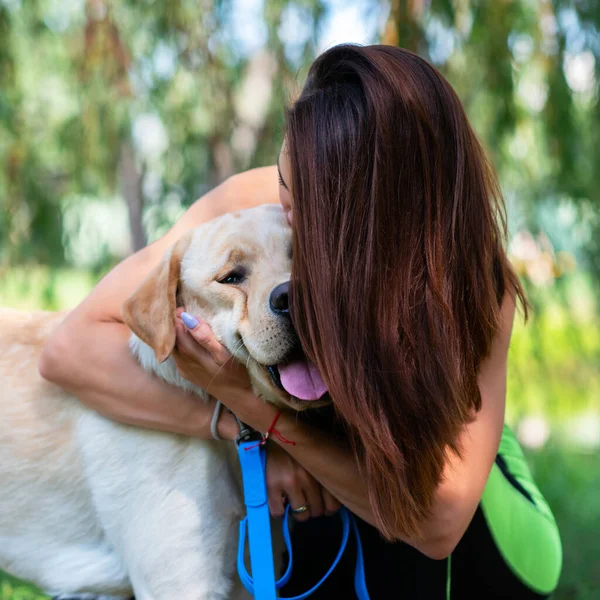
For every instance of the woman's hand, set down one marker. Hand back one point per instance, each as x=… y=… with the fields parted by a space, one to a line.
x=204 y=361
x=287 y=481
x=201 y=359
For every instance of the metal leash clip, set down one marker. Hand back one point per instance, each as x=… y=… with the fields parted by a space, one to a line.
x=247 y=434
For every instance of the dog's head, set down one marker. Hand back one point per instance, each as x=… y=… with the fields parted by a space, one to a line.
x=233 y=273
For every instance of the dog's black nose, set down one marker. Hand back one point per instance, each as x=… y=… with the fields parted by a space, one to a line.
x=278 y=300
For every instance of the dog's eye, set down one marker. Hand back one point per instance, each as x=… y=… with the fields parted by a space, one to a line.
x=234 y=278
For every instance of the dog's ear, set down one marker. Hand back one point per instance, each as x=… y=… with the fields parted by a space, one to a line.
x=150 y=311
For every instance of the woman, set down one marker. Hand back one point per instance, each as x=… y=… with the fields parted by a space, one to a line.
x=404 y=298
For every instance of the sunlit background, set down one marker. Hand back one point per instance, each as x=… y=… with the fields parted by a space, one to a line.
x=116 y=115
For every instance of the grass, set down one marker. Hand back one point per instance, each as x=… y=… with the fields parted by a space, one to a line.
x=570 y=482
x=12 y=589
x=36 y=287
x=553 y=373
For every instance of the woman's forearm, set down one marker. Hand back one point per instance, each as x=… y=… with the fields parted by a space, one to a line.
x=88 y=353
x=336 y=468
x=96 y=366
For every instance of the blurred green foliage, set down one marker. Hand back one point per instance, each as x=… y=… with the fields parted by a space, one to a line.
x=115 y=115
x=554 y=356
x=153 y=102
x=148 y=104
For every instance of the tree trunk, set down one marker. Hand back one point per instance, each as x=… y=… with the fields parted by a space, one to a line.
x=131 y=186
x=402 y=27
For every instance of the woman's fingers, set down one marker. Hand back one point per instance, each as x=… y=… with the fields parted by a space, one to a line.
x=203 y=361
x=276 y=502
x=185 y=343
x=297 y=500
x=330 y=504
x=203 y=335
x=312 y=493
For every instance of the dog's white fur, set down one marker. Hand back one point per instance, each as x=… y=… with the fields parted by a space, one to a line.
x=88 y=505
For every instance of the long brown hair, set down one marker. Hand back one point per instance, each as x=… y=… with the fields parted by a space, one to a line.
x=398 y=264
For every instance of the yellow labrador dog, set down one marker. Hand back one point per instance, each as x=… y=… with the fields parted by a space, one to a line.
x=90 y=508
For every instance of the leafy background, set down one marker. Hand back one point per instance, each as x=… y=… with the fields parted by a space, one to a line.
x=115 y=115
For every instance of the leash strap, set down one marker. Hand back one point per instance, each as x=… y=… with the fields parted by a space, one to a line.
x=262 y=584
x=252 y=461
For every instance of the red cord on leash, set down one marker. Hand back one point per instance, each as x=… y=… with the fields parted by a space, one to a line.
x=272 y=431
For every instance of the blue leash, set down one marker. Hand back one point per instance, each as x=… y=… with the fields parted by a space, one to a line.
x=262 y=583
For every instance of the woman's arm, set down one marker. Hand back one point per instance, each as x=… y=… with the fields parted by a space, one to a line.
x=200 y=358
x=88 y=354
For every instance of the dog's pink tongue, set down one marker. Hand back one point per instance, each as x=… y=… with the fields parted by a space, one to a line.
x=302 y=379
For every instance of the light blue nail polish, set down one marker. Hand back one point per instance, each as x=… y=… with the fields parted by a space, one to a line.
x=189 y=321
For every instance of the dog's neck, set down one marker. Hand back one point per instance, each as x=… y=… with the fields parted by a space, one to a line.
x=166 y=370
